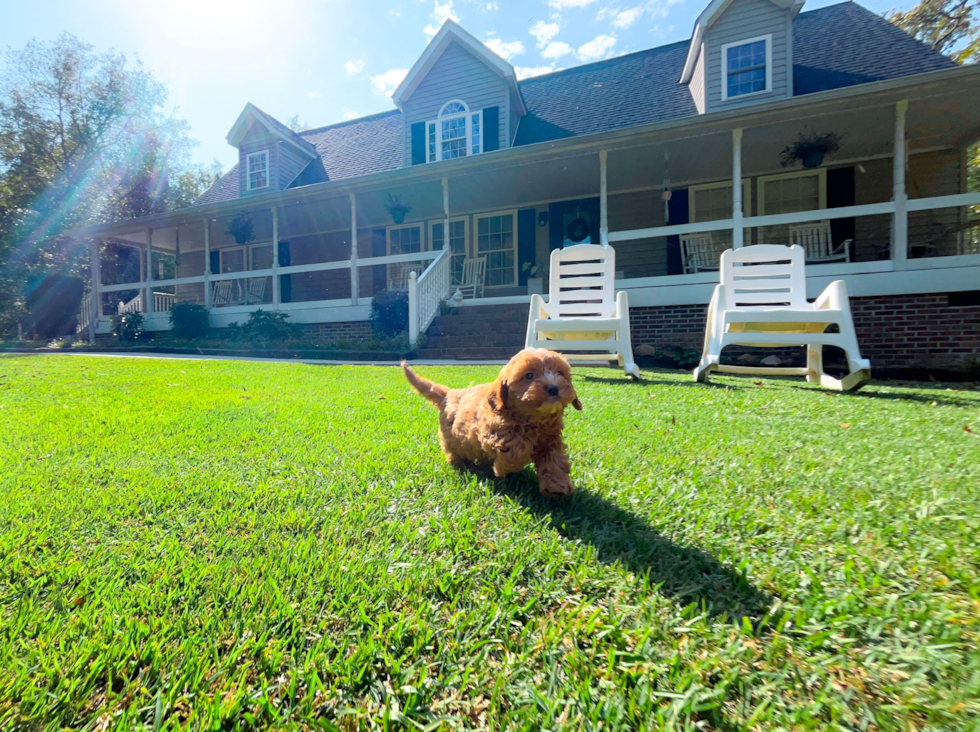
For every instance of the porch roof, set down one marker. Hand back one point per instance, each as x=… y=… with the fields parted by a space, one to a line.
x=945 y=107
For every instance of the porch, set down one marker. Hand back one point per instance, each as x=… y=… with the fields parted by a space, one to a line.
x=321 y=252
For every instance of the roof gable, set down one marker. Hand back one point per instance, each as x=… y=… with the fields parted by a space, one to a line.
x=452 y=31
x=251 y=115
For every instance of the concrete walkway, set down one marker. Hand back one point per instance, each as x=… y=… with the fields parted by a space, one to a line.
x=318 y=361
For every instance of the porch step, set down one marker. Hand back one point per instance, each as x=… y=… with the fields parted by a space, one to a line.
x=490 y=332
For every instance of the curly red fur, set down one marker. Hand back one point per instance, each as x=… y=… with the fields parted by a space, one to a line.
x=511 y=422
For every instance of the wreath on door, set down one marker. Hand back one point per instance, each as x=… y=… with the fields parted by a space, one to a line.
x=577 y=230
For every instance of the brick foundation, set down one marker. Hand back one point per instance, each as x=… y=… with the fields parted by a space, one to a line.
x=330 y=332
x=894 y=332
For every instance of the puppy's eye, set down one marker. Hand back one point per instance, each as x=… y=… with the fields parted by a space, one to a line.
x=529 y=376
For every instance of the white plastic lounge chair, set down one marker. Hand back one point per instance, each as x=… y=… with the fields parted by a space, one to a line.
x=583 y=311
x=818 y=244
x=471 y=283
x=761 y=301
x=700 y=252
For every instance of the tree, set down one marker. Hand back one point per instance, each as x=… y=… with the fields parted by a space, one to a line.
x=948 y=26
x=83 y=140
x=295 y=125
x=186 y=187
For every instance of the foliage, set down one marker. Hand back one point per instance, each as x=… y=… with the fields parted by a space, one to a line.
x=241 y=229
x=189 y=320
x=389 y=313
x=948 y=26
x=676 y=357
x=396 y=209
x=127 y=327
x=187 y=186
x=295 y=125
x=82 y=141
x=535 y=270
x=809 y=143
x=237 y=528
x=264 y=327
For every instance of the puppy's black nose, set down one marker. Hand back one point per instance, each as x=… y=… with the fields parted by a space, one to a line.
x=552 y=390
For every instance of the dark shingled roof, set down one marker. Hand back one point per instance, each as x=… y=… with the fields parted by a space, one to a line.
x=833 y=47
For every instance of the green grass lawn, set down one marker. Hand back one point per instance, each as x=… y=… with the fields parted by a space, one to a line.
x=222 y=544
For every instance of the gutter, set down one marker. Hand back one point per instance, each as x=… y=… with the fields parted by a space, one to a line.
x=434 y=172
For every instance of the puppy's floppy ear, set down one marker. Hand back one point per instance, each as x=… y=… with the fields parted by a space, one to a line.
x=499 y=394
x=577 y=403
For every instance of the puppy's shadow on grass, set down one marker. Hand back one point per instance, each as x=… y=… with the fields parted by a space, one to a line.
x=685 y=574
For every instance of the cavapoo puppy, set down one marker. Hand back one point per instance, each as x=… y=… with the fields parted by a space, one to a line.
x=513 y=421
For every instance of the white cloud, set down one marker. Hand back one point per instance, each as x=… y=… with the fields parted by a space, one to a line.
x=350 y=114
x=556 y=49
x=386 y=83
x=491 y=7
x=394 y=13
x=627 y=17
x=440 y=14
x=505 y=49
x=314 y=95
x=524 y=72
x=563 y=4
x=544 y=32
x=354 y=66
x=599 y=47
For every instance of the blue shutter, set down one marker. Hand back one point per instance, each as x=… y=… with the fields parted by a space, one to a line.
x=418 y=143
x=491 y=129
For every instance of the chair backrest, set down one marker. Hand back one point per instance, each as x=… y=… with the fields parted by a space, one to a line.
x=582 y=282
x=257 y=287
x=765 y=275
x=222 y=292
x=814 y=237
x=399 y=275
x=473 y=271
x=700 y=251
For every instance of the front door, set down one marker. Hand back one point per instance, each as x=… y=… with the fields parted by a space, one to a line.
x=573 y=222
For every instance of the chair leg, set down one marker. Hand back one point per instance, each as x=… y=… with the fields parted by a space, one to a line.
x=814 y=362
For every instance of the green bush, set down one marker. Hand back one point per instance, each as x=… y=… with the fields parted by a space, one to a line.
x=127 y=326
x=389 y=313
x=189 y=320
x=264 y=327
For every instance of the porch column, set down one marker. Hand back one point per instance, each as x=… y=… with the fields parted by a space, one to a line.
x=207 y=264
x=354 y=279
x=276 y=296
x=148 y=296
x=738 y=234
x=603 y=202
x=96 y=304
x=900 y=219
x=445 y=213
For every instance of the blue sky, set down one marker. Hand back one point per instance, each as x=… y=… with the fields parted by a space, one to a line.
x=330 y=60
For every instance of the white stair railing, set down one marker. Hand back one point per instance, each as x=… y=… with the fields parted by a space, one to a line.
x=84 y=314
x=426 y=293
x=133 y=306
x=163 y=302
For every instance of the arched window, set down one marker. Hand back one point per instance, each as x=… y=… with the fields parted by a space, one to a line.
x=455 y=133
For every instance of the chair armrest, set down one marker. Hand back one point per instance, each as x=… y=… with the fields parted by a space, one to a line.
x=539 y=310
x=622 y=304
x=834 y=297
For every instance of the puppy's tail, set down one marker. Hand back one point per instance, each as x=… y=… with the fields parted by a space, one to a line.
x=432 y=392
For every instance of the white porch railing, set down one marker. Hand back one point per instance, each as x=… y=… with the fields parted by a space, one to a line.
x=426 y=293
x=133 y=306
x=163 y=302
x=84 y=314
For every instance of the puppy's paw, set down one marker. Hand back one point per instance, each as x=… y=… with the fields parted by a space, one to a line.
x=556 y=486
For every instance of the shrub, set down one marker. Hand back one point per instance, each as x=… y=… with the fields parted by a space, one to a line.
x=389 y=313
x=127 y=326
x=263 y=327
x=189 y=320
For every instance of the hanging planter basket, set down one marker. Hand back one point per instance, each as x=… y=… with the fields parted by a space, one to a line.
x=241 y=229
x=396 y=209
x=810 y=149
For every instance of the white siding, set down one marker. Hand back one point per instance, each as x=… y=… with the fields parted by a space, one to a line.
x=257 y=139
x=696 y=87
x=458 y=74
x=742 y=20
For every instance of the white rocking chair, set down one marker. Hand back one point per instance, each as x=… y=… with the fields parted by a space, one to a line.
x=818 y=244
x=700 y=252
x=471 y=283
x=583 y=311
x=761 y=301
x=221 y=295
x=255 y=294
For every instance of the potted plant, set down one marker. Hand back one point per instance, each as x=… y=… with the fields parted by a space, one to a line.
x=241 y=229
x=810 y=149
x=397 y=209
x=535 y=277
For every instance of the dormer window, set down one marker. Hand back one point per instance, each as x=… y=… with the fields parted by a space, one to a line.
x=746 y=67
x=258 y=170
x=455 y=133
